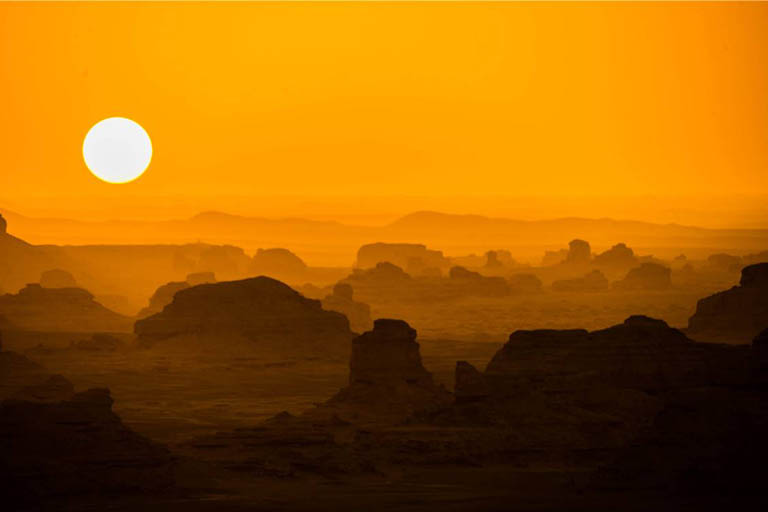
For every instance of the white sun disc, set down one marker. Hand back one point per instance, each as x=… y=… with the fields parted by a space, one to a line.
x=117 y=150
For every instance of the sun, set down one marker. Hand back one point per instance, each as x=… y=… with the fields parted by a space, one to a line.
x=117 y=150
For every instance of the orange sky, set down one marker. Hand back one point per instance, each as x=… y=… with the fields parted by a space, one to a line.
x=347 y=101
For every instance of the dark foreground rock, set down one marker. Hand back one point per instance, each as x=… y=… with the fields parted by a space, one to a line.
x=74 y=447
x=634 y=408
x=736 y=315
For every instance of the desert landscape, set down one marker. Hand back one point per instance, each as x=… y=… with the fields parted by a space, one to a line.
x=383 y=256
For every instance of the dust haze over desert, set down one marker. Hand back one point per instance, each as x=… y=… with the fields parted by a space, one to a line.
x=383 y=256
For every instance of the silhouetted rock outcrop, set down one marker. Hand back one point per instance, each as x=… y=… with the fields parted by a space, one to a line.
x=595 y=281
x=724 y=262
x=74 y=447
x=619 y=257
x=402 y=255
x=60 y=309
x=162 y=297
x=260 y=311
x=164 y=294
x=19 y=374
x=641 y=353
x=196 y=278
x=524 y=283
x=648 y=276
x=386 y=378
x=278 y=263
x=342 y=301
x=470 y=385
x=579 y=252
x=57 y=278
x=735 y=315
x=476 y=284
x=99 y=343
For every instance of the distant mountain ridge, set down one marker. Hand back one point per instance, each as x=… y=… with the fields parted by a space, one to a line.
x=334 y=243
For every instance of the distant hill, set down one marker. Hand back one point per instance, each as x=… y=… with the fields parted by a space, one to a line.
x=325 y=243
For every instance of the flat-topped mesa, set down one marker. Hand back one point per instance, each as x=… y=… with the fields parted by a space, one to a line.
x=60 y=309
x=641 y=353
x=259 y=311
x=648 y=276
x=57 y=278
x=594 y=281
x=370 y=255
x=736 y=315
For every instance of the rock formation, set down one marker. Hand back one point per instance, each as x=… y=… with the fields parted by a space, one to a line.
x=60 y=309
x=492 y=260
x=619 y=257
x=19 y=375
x=99 y=343
x=524 y=283
x=594 y=281
x=386 y=377
x=476 y=284
x=342 y=301
x=164 y=294
x=384 y=272
x=279 y=264
x=196 y=278
x=57 y=278
x=370 y=255
x=75 y=446
x=648 y=276
x=724 y=262
x=551 y=258
x=162 y=297
x=579 y=252
x=3 y=225
x=262 y=312
x=736 y=315
x=642 y=353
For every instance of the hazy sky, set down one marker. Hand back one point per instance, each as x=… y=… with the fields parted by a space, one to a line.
x=351 y=100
